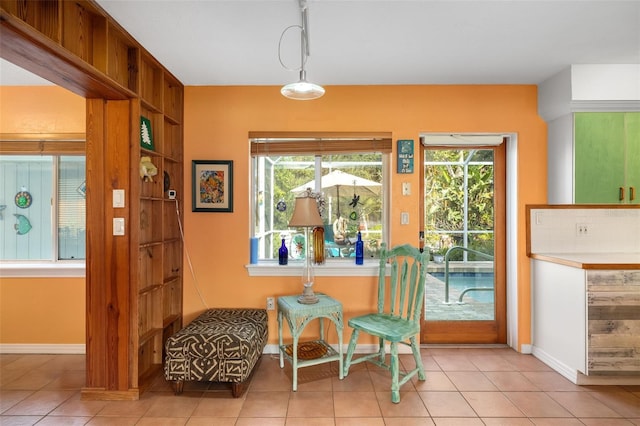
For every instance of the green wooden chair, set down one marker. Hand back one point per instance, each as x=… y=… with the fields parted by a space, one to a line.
x=397 y=321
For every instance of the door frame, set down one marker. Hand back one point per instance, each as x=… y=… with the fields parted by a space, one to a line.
x=511 y=234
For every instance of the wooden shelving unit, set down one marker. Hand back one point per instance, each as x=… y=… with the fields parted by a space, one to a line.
x=160 y=244
x=134 y=282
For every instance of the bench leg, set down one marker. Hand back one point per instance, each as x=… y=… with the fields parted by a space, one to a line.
x=237 y=389
x=178 y=386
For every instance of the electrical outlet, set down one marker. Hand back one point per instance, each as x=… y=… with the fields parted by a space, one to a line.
x=271 y=304
x=582 y=229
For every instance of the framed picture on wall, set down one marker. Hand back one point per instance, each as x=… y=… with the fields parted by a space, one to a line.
x=212 y=186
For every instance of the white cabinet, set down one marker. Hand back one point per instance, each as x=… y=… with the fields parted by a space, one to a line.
x=585 y=322
x=559 y=319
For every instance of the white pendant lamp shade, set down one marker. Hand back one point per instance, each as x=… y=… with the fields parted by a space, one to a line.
x=302 y=90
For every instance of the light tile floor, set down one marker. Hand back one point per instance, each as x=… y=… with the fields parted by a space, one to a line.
x=473 y=386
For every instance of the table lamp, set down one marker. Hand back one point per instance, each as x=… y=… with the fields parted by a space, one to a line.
x=306 y=215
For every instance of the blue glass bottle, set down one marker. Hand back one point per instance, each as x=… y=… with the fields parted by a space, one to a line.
x=359 y=250
x=283 y=254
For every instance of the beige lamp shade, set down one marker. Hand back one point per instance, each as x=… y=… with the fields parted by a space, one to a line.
x=305 y=213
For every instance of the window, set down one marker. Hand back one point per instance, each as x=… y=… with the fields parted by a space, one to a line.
x=43 y=208
x=350 y=173
x=459 y=200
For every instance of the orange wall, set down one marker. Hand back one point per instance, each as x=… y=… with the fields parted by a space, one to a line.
x=218 y=119
x=41 y=109
x=41 y=310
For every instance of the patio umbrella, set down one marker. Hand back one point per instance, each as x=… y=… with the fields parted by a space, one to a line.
x=331 y=183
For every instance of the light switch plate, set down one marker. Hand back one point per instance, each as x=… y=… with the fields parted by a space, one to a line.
x=118 y=226
x=406 y=188
x=118 y=198
x=404 y=218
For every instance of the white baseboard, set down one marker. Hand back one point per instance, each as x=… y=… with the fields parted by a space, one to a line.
x=580 y=379
x=560 y=367
x=270 y=349
x=526 y=349
x=38 y=348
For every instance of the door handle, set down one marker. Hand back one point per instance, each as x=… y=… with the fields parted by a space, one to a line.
x=632 y=193
x=621 y=194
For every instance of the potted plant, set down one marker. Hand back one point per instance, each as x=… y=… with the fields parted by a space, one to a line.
x=438 y=254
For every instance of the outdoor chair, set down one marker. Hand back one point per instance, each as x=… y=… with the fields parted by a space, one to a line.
x=397 y=320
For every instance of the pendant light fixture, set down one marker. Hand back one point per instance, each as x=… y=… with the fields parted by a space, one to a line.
x=302 y=90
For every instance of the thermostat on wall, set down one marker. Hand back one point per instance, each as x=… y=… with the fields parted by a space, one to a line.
x=171 y=194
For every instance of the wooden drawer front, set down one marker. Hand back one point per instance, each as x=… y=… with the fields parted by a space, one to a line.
x=613 y=312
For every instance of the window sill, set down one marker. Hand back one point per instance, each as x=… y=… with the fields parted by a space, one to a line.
x=42 y=270
x=336 y=268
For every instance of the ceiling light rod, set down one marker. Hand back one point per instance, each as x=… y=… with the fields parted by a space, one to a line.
x=304 y=34
x=302 y=90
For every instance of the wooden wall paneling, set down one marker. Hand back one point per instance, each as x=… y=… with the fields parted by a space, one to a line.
x=96 y=319
x=84 y=33
x=42 y=15
x=136 y=267
x=108 y=295
x=22 y=45
x=117 y=159
x=122 y=58
x=134 y=281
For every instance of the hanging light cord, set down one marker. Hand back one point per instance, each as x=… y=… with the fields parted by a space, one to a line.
x=193 y=274
x=304 y=38
x=303 y=58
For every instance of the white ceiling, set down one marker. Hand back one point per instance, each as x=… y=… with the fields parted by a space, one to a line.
x=235 y=42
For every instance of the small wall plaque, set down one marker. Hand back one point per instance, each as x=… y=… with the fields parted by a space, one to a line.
x=405 y=156
x=146 y=134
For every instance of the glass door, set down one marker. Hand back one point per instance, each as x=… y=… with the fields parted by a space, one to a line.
x=464 y=229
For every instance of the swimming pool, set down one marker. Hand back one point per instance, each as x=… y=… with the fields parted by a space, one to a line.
x=459 y=281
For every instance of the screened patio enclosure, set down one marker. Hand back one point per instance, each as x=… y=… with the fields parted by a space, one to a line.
x=350 y=185
x=459 y=231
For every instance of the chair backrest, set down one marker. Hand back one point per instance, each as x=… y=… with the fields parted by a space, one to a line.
x=402 y=293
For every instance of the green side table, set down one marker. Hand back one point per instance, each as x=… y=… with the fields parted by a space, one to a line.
x=298 y=316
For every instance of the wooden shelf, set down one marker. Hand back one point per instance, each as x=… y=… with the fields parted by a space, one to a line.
x=86 y=41
x=147 y=152
x=122 y=58
x=161 y=102
x=146 y=290
x=169 y=320
x=151 y=244
x=146 y=337
x=151 y=83
x=147 y=377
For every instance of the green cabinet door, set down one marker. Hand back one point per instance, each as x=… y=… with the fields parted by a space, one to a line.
x=632 y=132
x=599 y=140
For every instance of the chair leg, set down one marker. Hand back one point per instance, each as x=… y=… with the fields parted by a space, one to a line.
x=417 y=358
x=350 y=350
x=395 y=373
x=381 y=351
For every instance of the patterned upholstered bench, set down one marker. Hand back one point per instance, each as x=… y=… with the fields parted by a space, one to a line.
x=220 y=345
